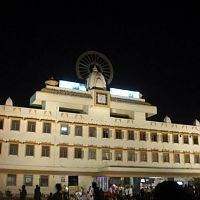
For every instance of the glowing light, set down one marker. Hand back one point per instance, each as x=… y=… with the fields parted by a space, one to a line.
x=125 y=93
x=180 y=182
x=154 y=177
x=142 y=180
x=64 y=128
x=72 y=85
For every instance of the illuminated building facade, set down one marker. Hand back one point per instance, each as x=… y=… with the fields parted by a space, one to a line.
x=77 y=135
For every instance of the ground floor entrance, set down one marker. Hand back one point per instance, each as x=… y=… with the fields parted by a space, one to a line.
x=13 y=180
x=139 y=182
x=142 y=187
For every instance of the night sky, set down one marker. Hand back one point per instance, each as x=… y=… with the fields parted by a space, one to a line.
x=154 y=49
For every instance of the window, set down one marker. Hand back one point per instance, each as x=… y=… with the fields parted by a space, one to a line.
x=165 y=157
x=118 y=155
x=165 y=137
x=46 y=127
x=78 y=130
x=92 y=132
x=143 y=136
x=175 y=138
x=154 y=137
x=106 y=155
x=44 y=181
x=143 y=156
x=31 y=126
x=1 y=123
x=131 y=135
x=196 y=158
x=78 y=153
x=187 y=158
x=0 y=147
x=185 y=139
x=45 y=151
x=131 y=155
x=92 y=154
x=195 y=140
x=62 y=179
x=154 y=156
x=13 y=149
x=63 y=152
x=177 y=158
x=29 y=150
x=11 y=180
x=106 y=133
x=72 y=180
x=118 y=134
x=64 y=129
x=28 y=180
x=15 y=125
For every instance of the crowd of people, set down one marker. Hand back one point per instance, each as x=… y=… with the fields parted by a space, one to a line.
x=167 y=190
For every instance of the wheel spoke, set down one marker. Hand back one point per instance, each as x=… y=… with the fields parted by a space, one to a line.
x=84 y=71
x=83 y=74
x=106 y=74
x=86 y=59
x=89 y=58
x=105 y=65
x=83 y=65
x=101 y=61
x=106 y=69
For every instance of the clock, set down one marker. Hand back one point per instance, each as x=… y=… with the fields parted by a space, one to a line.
x=101 y=98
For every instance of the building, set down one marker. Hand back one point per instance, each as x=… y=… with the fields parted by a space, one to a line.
x=75 y=136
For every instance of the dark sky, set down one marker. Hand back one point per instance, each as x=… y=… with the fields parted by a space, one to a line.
x=154 y=49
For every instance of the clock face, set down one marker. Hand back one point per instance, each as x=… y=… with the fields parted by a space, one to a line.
x=101 y=98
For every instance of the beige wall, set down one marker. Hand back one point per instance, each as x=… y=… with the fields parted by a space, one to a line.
x=98 y=116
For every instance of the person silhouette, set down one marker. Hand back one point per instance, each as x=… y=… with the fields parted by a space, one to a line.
x=23 y=193
x=170 y=190
x=96 y=193
x=50 y=197
x=58 y=194
x=37 y=193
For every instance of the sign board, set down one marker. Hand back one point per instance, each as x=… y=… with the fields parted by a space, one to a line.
x=125 y=93
x=72 y=85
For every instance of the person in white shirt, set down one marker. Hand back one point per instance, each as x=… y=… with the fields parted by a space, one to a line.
x=130 y=192
x=90 y=193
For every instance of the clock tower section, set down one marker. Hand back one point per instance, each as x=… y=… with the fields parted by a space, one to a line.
x=96 y=83
x=101 y=98
x=96 y=69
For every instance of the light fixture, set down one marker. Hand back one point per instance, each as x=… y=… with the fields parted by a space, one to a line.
x=179 y=182
x=142 y=180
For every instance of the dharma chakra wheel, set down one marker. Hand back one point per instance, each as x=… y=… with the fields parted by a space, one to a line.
x=90 y=59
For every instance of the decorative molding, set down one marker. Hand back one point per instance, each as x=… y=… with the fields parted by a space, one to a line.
x=47 y=113
x=32 y=111
x=15 y=141
x=46 y=143
x=63 y=144
x=16 y=109
x=130 y=101
x=31 y=142
x=78 y=116
x=66 y=92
